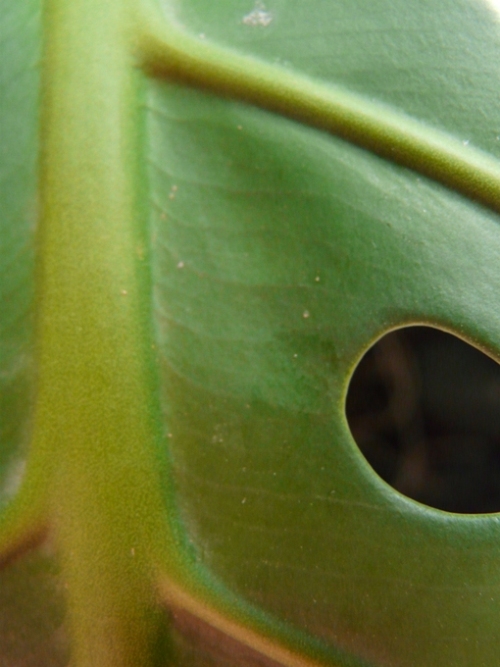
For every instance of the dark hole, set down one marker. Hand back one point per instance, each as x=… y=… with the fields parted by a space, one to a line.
x=424 y=408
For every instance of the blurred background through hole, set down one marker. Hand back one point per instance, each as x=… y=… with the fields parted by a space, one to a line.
x=424 y=408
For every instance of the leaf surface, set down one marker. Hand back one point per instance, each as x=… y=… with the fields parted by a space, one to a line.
x=280 y=253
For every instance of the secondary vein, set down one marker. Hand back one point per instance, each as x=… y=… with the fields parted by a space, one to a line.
x=166 y=50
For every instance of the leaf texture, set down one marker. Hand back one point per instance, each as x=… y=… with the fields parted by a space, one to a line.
x=190 y=395
x=279 y=255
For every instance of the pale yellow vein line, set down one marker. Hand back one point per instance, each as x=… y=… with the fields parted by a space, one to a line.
x=176 y=596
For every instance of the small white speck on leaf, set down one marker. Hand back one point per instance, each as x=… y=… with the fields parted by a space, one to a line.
x=173 y=191
x=317 y=279
x=180 y=265
x=466 y=142
x=243 y=501
x=306 y=314
x=124 y=292
x=258 y=17
x=132 y=552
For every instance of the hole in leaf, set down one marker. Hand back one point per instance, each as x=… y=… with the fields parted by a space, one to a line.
x=424 y=408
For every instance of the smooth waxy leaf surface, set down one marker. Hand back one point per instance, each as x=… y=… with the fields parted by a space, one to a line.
x=277 y=253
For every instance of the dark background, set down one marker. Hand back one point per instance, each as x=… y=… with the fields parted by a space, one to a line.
x=424 y=408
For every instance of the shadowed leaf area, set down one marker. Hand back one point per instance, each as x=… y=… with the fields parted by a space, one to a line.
x=33 y=630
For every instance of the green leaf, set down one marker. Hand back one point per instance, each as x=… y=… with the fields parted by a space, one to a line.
x=19 y=55
x=210 y=272
x=273 y=489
